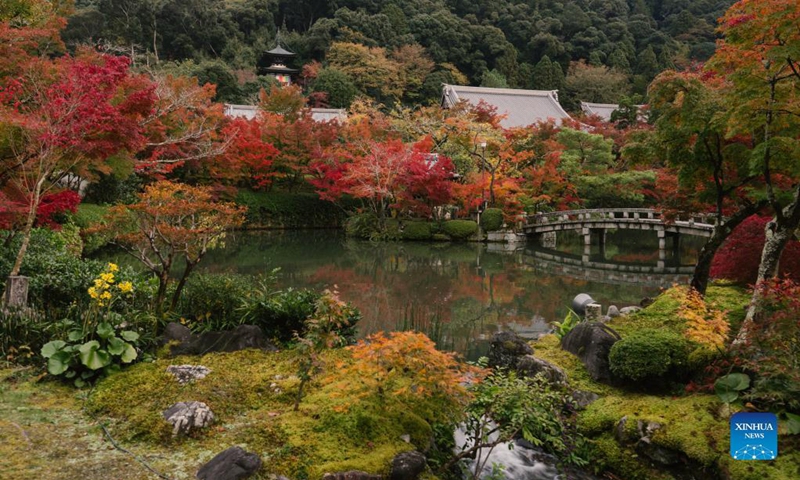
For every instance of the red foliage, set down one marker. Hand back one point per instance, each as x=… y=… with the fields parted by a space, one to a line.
x=740 y=255
x=54 y=204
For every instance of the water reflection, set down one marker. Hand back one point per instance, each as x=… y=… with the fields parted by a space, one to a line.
x=458 y=294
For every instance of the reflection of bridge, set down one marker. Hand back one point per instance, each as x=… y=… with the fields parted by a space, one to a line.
x=595 y=223
x=606 y=272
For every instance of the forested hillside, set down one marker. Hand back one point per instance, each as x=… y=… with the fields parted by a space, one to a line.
x=402 y=50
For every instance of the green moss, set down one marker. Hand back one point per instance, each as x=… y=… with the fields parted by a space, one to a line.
x=610 y=455
x=663 y=313
x=332 y=431
x=548 y=348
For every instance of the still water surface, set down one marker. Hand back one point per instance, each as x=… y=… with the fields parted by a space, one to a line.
x=458 y=294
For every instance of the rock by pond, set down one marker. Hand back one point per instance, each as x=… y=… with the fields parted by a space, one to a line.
x=232 y=464
x=592 y=342
x=240 y=338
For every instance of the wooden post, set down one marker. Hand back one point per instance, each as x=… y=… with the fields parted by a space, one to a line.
x=16 y=294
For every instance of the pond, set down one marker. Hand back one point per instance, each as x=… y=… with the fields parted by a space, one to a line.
x=458 y=294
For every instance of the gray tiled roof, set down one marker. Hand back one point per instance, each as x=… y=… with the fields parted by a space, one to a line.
x=521 y=107
x=604 y=110
x=250 y=112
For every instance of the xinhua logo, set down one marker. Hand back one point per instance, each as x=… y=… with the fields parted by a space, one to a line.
x=754 y=436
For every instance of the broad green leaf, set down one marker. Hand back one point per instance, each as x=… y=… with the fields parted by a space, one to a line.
x=129 y=354
x=129 y=335
x=75 y=335
x=58 y=363
x=93 y=357
x=105 y=330
x=50 y=348
x=793 y=423
x=736 y=381
x=116 y=346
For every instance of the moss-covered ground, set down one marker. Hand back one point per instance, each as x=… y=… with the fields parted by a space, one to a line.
x=696 y=424
x=251 y=394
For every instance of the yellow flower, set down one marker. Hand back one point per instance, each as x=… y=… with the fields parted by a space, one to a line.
x=107 y=277
x=93 y=292
x=105 y=295
x=98 y=283
x=112 y=267
x=125 y=287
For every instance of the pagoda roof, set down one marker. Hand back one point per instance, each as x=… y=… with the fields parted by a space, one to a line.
x=278 y=68
x=279 y=51
x=520 y=107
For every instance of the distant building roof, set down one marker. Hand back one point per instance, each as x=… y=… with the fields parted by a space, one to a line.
x=521 y=107
x=603 y=110
x=326 y=114
x=250 y=112
x=279 y=51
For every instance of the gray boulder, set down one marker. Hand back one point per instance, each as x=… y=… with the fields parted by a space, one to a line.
x=175 y=332
x=591 y=342
x=186 y=417
x=232 y=464
x=583 y=398
x=408 y=466
x=506 y=349
x=530 y=366
x=613 y=311
x=240 y=338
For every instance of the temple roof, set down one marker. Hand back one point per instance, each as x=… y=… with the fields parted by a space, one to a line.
x=521 y=107
x=602 y=110
x=279 y=51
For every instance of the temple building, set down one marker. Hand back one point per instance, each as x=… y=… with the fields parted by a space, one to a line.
x=276 y=60
x=520 y=107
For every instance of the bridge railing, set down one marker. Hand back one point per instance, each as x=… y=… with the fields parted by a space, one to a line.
x=642 y=214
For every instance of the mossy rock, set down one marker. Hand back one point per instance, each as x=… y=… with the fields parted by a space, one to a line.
x=460 y=229
x=651 y=357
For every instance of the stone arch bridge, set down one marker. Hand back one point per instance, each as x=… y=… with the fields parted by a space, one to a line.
x=593 y=224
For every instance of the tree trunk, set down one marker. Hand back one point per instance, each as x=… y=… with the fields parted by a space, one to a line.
x=26 y=232
x=181 y=283
x=721 y=232
x=778 y=235
x=163 y=280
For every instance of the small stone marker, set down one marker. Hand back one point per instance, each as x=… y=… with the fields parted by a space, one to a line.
x=593 y=312
x=16 y=294
x=188 y=416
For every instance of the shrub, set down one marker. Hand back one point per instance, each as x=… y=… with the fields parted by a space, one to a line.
x=57 y=276
x=291 y=210
x=279 y=314
x=88 y=217
x=22 y=333
x=492 y=219
x=459 y=229
x=416 y=231
x=771 y=352
x=363 y=226
x=212 y=301
x=650 y=355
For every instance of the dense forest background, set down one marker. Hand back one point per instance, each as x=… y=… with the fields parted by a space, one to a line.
x=401 y=51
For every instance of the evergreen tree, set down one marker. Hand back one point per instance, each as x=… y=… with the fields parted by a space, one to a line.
x=547 y=75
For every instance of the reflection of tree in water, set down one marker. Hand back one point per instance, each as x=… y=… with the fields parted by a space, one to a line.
x=457 y=294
